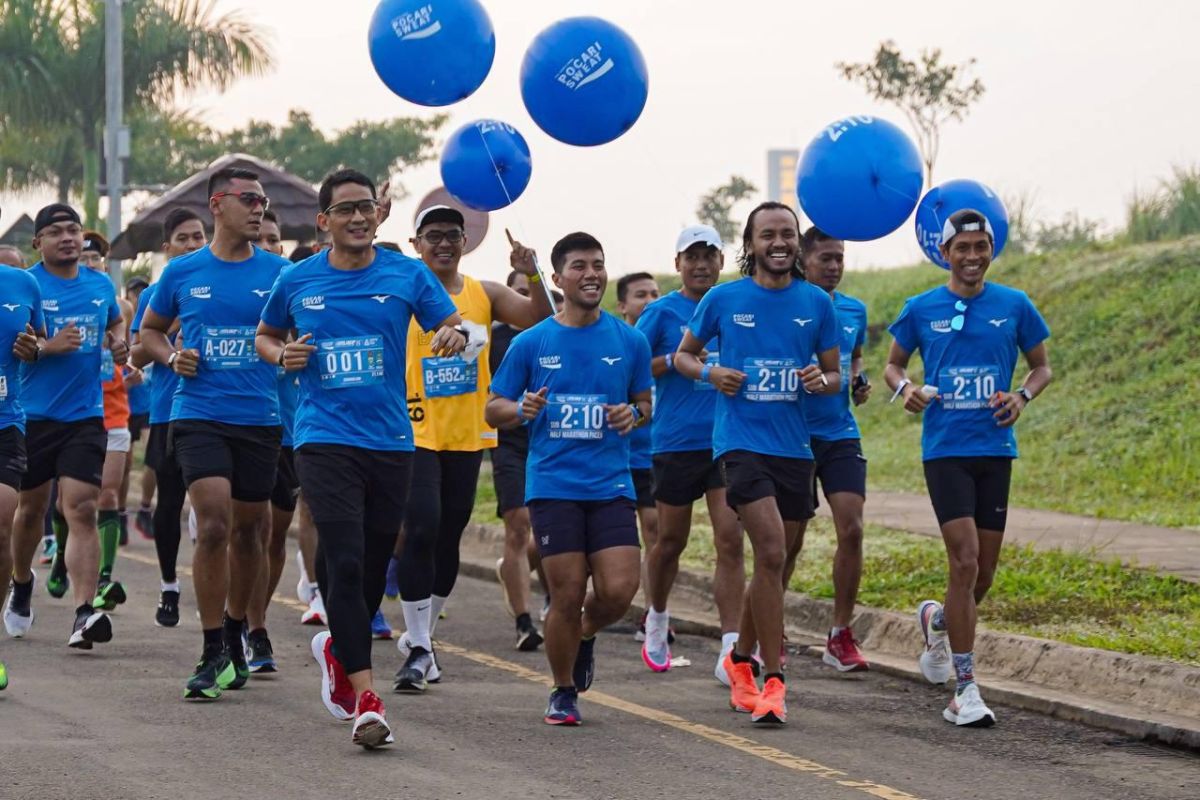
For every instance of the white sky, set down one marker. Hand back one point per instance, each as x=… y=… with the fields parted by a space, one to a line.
x=1085 y=101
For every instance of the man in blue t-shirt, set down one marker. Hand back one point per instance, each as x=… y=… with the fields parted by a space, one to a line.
x=65 y=436
x=580 y=381
x=350 y=309
x=684 y=468
x=770 y=325
x=225 y=416
x=969 y=333
x=841 y=466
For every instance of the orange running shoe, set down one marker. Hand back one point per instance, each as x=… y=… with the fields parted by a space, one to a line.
x=772 y=706
x=743 y=688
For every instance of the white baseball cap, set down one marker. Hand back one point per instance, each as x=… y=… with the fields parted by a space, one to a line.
x=965 y=220
x=698 y=233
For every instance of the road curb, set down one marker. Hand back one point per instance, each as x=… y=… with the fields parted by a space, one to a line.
x=1021 y=671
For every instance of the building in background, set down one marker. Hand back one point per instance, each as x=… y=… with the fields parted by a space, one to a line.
x=781 y=177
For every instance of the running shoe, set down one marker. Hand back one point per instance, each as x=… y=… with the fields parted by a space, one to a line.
x=656 y=652
x=57 y=582
x=109 y=595
x=261 y=657
x=529 y=638
x=212 y=673
x=935 y=662
x=585 y=664
x=719 y=670
x=404 y=647
x=336 y=692
x=842 y=653
x=18 y=610
x=3 y=677
x=640 y=634
x=508 y=606
x=391 y=589
x=413 y=677
x=305 y=589
x=967 y=709
x=91 y=627
x=743 y=688
x=370 y=725
x=379 y=626
x=563 y=708
x=771 y=707
x=545 y=612
x=235 y=648
x=167 y=613
x=143 y=523
x=49 y=548
x=316 y=611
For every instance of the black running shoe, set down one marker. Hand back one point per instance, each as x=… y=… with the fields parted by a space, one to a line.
x=413 y=676
x=236 y=652
x=528 y=636
x=262 y=656
x=213 y=673
x=585 y=664
x=167 y=613
x=143 y=523
x=109 y=595
x=91 y=626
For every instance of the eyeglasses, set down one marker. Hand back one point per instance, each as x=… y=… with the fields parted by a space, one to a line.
x=437 y=237
x=960 y=319
x=248 y=199
x=368 y=208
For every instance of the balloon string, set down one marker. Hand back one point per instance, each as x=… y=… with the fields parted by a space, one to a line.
x=520 y=226
x=905 y=195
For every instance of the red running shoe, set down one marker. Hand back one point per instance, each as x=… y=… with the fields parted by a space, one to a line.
x=370 y=725
x=842 y=653
x=336 y=692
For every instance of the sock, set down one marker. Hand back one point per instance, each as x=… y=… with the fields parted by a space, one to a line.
x=770 y=675
x=416 y=622
x=123 y=519
x=661 y=618
x=212 y=638
x=524 y=622
x=144 y=508
x=257 y=632
x=173 y=586
x=109 y=526
x=567 y=690
x=835 y=630
x=738 y=658
x=964 y=670
x=22 y=592
x=436 y=612
x=938 y=621
x=61 y=531
x=728 y=640
x=233 y=629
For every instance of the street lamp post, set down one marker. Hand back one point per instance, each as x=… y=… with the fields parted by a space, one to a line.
x=116 y=136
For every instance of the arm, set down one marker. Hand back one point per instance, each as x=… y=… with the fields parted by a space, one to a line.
x=895 y=374
x=688 y=362
x=273 y=347
x=1009 y=405
x=621 y=417
x=824 y=377
x=502 y=412
x=117 y=335
x=448 y=339
x=157 y=347
x=515 y=309
x=863 y=393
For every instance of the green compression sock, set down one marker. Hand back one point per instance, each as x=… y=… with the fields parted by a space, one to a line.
x=109 y=525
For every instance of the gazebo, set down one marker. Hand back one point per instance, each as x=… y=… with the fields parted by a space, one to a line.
x=20 y=233
x=292 y=199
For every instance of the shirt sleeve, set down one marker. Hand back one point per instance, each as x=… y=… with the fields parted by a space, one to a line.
x=641 y=379
x=512 y=378
x=164 y=302
x=432 y=303
x=143 y=303
x=1033 y=330
x=648 y=325
x=828 y=336
x=903 y=328
x=705 y=323
x=275 y=312
x=36 y=318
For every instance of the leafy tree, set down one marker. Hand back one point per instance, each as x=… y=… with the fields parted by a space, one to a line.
x=928 y=92
x=716 y=206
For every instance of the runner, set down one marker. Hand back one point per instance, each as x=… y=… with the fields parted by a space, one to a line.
x=11 y=256
x=684 y=469
x=968 y=333
x=445 y=404
x=770 y=325
x=581 y=382
x=65 y=435
x=139 y=421
x=183 y=233
x=225 y=428
x=837 y=449
x=351 y=307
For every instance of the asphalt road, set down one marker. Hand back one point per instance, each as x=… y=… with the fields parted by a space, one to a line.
x=111 y=724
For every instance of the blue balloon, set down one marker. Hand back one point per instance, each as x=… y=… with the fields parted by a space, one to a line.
x=942 y=201
x=584 y=81
x=486 y=164
x=859 y=179
x=433 y=54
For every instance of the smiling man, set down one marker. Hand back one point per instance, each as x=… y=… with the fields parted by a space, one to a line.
x=968 y=333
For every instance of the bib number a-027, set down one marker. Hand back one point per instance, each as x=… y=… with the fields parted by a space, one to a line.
x=449 y=376
x=577 y=416
x=228 y=347
x=350 y=361
x=772 y=380
x=967 y=388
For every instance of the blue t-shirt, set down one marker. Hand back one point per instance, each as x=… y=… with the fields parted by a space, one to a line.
x=219 y=304
x=968 y=366
x=20 y=305
x=683 y=408
x=769 y=334
x=163 y=380
x=573 y=454
x=66 y=388
x=829 y=416
x=353 y=390
x=288 y=386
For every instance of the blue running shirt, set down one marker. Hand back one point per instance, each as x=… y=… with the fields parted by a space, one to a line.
x=21 y=305
x=769 y=334
x=163 y=380
x=219 y=304
x=66 y=388
x=969 y=365
x=683 y=408
x=829 y=416
x=353 y=390
x=573 y=454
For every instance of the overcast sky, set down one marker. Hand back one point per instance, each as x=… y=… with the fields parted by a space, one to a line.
x=1085 y=101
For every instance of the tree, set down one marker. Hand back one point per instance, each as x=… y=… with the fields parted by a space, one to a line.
x=716 y=206
x=927 y=91
x=52 y=76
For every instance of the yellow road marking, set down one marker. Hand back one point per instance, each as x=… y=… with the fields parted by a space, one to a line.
x=716 y=735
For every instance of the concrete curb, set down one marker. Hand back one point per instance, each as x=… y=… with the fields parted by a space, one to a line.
x=1136 y=696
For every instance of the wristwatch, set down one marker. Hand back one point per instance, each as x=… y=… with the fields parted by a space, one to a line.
x=1028 y=395
x=171 y=358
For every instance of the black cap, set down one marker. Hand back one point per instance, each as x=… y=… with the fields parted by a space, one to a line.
x=439 y=214
x=95 y=241
x=967 y=219
x=55 y=212
x=135 y=283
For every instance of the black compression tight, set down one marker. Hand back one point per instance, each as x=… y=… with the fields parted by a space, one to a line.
x=167 y=510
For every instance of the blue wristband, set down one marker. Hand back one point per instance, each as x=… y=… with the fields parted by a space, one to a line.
x=704 y=373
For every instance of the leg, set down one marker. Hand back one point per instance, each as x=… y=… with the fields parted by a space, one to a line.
x=729 y=576
x=990 y=542
x=9 y=497
x=567 y=575
x=661 y=564
x=307 y=539
x=615 y=575
x=460 y=476
x=514 y=568
x=647 y=517
x=167 y=513
x=251 y=524
x=847 y=510
x=108 y=506
x=27 y=530
x=149 y=485
x=795 y=543
x=962 y=549
x=422 y=520
x=765 y=527
x=210 y=559
x=83 y=547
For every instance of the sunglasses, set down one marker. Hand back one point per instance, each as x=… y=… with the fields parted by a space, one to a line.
x=437 y=237
x=960 y=319
x=248 y=199
x=367 y=208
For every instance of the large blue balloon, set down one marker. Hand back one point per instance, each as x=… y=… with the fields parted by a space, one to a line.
x=486 y=164
x=859 y=179
x=432 y=53
x=584 y=81
x=942 y=201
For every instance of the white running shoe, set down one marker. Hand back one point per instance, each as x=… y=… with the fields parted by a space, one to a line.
x=935 y=662
x=656 y=650
x=405 y=647
x=305 y=589
x=719 y=671
x=967 y=710
x=16 y=624
x=316 y=612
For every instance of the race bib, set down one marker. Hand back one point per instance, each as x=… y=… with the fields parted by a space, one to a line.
x=577 y=416
x=88 y=324
x=772 y=380
x=228 y=347
x=108 y=367
x=449 y=376
x=713 y=360
x=350 y=361
x=967 y=388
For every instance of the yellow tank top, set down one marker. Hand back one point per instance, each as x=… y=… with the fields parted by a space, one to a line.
x=446 y=396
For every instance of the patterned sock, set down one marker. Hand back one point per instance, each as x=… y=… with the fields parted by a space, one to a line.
x=964 y=670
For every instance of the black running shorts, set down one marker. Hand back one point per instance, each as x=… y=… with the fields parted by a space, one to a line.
x=643 y=487
x=137 y=424
x=753 y=476
x=245 y=455
x=508 y=473
x=286 y=491
x=12 y=456
x=840 y=467
x=682 y=478
x=341 y=483
x=974 y=488
x=65 y=450
x=583 y=526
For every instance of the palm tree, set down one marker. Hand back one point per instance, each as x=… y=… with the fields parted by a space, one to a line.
x=52 y=79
